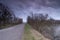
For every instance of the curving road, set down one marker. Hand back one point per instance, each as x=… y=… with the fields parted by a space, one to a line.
x=12 y=33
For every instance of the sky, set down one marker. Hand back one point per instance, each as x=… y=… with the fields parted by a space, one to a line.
x=23 y=8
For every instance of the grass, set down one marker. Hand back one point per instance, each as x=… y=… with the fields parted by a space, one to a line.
x=27 y=33
x=7 y=26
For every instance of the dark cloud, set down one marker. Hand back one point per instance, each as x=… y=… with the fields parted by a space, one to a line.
x=23 y=7
x=48 y=3
x=33 y=3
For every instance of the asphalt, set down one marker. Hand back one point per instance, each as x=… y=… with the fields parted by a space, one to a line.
x=12 y=33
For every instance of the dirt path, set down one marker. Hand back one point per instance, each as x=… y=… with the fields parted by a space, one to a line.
x=37 y=35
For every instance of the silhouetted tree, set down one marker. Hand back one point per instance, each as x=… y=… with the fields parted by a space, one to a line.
x=5 y=14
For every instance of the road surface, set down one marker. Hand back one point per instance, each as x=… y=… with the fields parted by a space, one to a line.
x=12 y=33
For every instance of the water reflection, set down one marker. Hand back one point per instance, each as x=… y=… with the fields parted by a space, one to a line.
x=57 y=32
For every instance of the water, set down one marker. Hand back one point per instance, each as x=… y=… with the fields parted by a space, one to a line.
x=56 y=32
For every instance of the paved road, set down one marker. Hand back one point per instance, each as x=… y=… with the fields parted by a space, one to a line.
x=12 y=33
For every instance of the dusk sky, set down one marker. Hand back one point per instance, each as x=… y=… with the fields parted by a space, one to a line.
x=23 y=8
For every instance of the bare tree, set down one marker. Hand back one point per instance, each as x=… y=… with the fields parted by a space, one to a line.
x=5 y=14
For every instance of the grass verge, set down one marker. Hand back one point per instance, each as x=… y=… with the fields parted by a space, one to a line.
x=7 y=26
x=27 y=33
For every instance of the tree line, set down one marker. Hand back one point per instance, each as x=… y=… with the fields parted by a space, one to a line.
x=40 y=19
x=43 y=24
x=7 y=16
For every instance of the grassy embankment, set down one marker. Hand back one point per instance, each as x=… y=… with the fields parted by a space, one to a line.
x=32 y=34
x=27 y=33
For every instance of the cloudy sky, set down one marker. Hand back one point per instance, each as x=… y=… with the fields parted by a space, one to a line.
x=22 y=8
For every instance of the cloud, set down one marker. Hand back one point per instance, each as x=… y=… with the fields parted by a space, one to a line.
x=25 y=7
x=38 y=3
x=32 y=3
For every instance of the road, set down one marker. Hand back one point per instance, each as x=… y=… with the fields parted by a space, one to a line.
x=12 y=33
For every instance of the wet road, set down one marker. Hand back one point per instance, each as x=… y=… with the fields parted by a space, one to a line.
x=12 y=33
